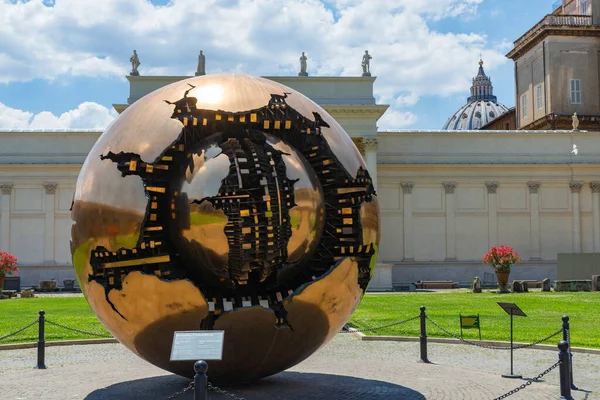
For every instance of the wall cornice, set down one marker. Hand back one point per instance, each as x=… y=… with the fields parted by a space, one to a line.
x=545 y=31
x=360 y=111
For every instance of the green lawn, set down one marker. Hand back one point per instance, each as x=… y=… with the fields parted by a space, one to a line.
x=70 y=311
x=544 y=312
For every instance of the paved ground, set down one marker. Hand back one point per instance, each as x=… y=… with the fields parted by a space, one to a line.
x=347 y=368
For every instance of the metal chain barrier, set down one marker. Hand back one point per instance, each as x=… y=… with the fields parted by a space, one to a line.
x=492 y=347
x=77 y=330
x=177 y=394
x=529 y=382
x=19 y=331
x=376 y=328
x=224 y=392
x=524 y=346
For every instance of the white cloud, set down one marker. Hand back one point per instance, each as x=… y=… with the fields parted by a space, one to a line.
x=393 y=119
x=11 y=118
x=87 y=115
x=259 y=37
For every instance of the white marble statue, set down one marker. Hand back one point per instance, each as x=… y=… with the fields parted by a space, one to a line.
x=366 y=64
x=201 y=70
x=303 y=59
x=135 y=63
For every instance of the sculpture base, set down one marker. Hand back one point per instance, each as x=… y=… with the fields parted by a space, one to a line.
x=134 y=73
x=200 y=73
x=302 y=73
x=366 y=74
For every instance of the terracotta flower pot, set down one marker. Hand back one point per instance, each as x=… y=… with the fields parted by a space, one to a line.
x=502 y=281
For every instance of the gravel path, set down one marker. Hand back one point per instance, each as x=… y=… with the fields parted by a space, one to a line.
x=346 y=368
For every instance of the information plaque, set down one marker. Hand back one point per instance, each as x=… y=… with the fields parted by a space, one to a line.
x=197 y=345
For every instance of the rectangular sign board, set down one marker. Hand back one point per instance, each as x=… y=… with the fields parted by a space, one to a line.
x=197 y=345
x=512 y=309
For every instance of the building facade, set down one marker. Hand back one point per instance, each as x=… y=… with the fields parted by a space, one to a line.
x=556 y=69
x=445 y=198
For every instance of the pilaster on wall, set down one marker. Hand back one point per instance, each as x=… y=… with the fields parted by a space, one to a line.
x=492 y=187
x=50 y=189
x=409 y=254
x=5 y=194
x=575 y=190
x=370 y=148
x=534 y=220
x=450 y=221
x=595 y=186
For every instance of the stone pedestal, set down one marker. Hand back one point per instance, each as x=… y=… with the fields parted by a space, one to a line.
x=546 y=285
x=382 y=278
x=477 y=285
x=595 y=283
x=517 y=287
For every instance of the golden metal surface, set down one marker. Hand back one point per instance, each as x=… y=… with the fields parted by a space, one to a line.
x=225 y=202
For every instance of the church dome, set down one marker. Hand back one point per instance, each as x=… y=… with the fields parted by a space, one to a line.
x=482 y=106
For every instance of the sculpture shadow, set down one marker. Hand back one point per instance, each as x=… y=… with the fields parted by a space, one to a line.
x=283 y=386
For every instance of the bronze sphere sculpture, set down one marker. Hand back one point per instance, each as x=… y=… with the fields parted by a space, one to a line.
x=225 y=202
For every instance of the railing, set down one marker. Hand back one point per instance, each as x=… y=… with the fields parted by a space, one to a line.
x=556 y=20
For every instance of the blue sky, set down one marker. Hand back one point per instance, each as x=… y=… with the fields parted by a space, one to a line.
x=63 y=62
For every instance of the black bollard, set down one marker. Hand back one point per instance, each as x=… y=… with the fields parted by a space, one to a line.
x=41 y=347
x=200 y=380
x=567 y=338
x=423 y=336
x=565 y=374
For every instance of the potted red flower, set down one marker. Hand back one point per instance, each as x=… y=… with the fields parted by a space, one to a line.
x=502 y=258
x=8 y=265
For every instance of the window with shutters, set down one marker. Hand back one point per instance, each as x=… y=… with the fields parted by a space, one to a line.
x=575 y=91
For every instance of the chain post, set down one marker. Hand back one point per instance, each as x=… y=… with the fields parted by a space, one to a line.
x=567 y=338
x=565 y=329
x=200 y=380
x=423 y=336
x=565 y=375
x=41 y=345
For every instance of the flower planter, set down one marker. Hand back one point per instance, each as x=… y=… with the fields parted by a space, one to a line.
x=502 y=281
x=502 y=258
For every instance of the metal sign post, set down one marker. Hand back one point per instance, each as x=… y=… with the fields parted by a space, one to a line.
x=511 y=309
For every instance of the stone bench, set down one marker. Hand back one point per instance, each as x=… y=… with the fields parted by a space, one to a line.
x=532 y=284
x=583 y=285
x=9 y=293
x=520 y=285
x=436 y=285
x=48 y=286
